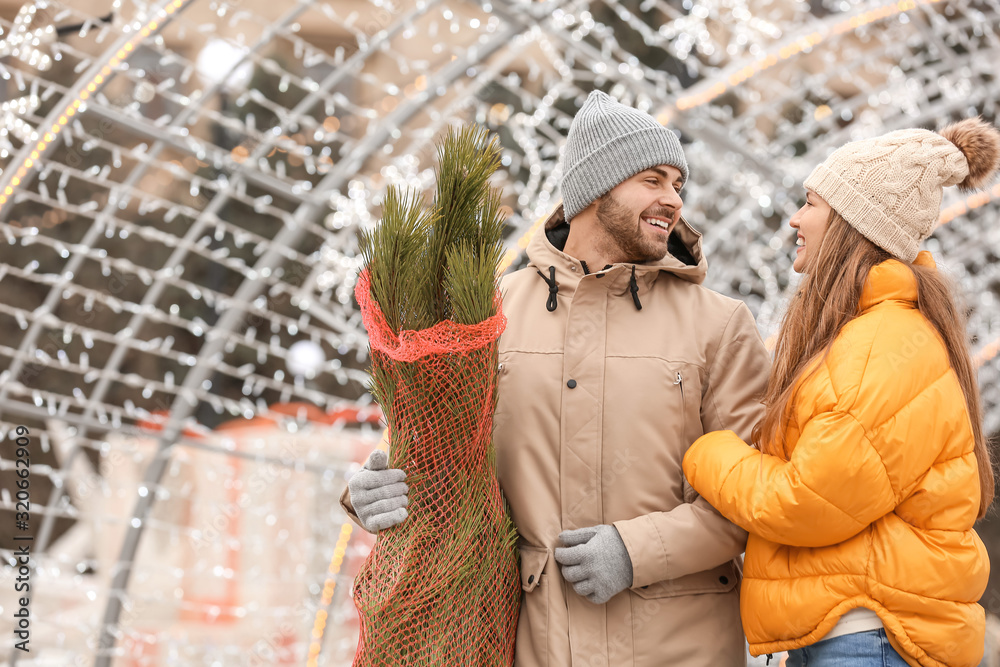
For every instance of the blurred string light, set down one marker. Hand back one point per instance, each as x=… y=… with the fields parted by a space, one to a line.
x=31 y=35
x=222 y=62
x=12 y=122
x=796 y=46
x=329 y=586
x=20 y=43
x=970 y=203
x=305 y=359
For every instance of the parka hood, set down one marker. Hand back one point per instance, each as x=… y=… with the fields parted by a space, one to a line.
x=684 y=259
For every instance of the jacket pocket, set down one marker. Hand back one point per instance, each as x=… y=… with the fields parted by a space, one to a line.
x=533 y=560
x=533 y=623
x=721 y=579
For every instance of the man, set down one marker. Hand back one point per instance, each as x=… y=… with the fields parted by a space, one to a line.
x=614 y=360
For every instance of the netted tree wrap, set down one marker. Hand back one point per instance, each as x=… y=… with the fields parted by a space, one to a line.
x=443 y=587
x=443 y=338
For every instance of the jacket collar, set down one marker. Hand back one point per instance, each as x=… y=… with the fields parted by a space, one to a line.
x=893 y=280
x=542 y=254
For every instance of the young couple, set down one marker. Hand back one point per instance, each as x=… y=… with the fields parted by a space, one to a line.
x=642 y=432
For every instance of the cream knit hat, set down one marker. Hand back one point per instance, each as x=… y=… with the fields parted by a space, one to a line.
x=889 y=188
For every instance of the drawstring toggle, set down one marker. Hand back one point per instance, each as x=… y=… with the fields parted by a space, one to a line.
x=553 y=288
x=633 y=287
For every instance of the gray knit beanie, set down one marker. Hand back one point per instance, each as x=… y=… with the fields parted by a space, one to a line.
x=889 y=188
x=608 y=143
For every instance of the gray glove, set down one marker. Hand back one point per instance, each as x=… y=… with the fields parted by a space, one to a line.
x=379 y=495
x=595 y=561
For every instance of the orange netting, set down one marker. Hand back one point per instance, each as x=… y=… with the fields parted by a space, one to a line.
x=442 y=588
x=442 y=338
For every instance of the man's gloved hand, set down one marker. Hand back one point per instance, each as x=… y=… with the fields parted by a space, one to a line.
x=595 y=561
x=379 y=495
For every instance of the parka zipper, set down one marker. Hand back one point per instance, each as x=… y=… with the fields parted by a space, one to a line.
x=680 y=383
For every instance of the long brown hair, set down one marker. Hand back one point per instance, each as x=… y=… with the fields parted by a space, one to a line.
x=828 y=298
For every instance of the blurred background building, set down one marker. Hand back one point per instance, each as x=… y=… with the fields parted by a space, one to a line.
x=181 y=190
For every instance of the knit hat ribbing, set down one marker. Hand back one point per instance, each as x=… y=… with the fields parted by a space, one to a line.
x=608 y=143
x=889 y=188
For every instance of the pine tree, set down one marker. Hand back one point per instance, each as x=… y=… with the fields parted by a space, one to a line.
x=442 y=588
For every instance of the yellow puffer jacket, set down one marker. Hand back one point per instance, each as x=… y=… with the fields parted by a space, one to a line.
x=876 y=504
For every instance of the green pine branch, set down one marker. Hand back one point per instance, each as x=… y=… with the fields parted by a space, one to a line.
x=392 y=252
x=436 y=265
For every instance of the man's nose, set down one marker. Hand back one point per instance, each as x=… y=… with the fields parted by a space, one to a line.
x=671 y=199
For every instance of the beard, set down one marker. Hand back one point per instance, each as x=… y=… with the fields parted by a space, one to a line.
x=626 y=240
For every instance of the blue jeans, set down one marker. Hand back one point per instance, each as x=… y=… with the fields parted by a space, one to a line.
x=859 y=649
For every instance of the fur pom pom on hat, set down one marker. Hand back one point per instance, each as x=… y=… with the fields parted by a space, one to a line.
x=889 y=188
x=980 y=144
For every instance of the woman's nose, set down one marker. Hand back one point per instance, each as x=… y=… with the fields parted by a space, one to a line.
x=794 y=222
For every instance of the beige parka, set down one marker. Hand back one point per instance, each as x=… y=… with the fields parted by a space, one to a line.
x=598 y=402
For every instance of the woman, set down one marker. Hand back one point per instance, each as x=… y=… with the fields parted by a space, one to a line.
x=873 y=465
